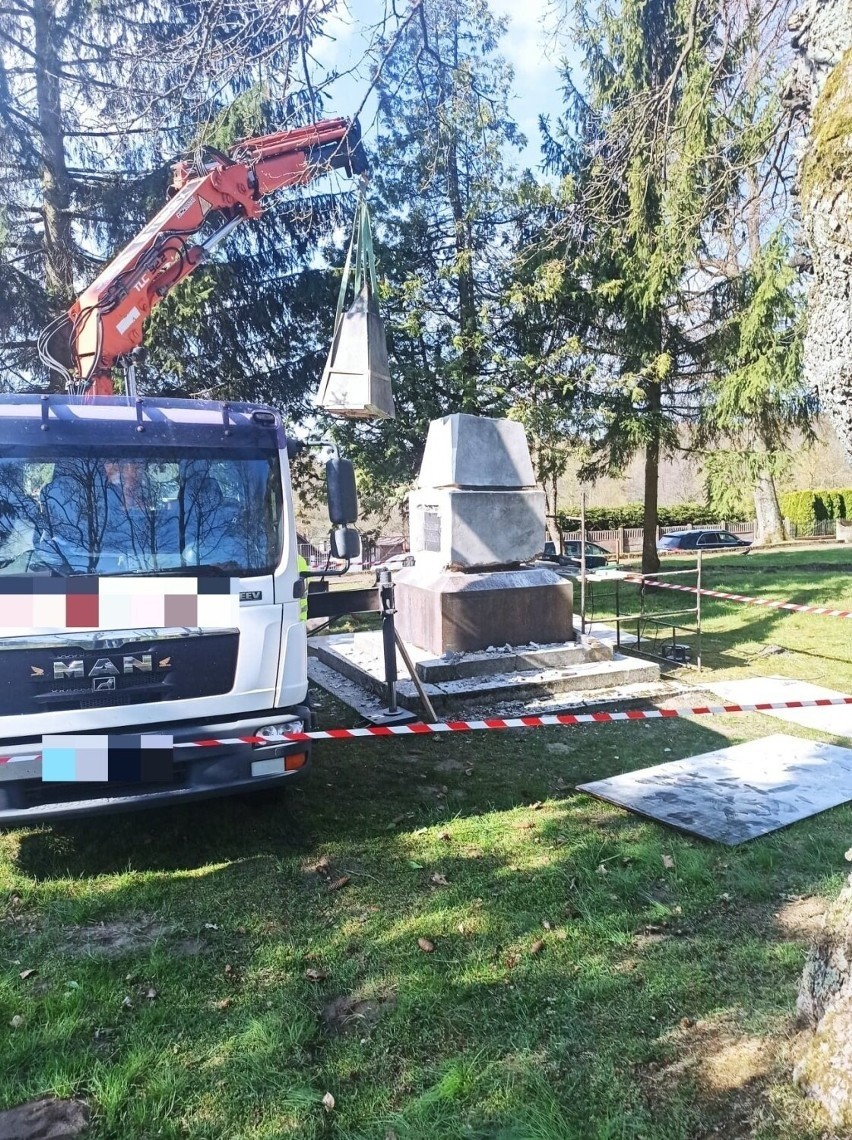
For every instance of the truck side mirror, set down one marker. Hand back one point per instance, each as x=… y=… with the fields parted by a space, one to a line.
x=345 y=543
x=342 y=493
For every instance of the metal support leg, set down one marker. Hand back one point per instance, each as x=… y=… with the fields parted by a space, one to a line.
x=418 y=684
x=393 y=714
x=386 y=597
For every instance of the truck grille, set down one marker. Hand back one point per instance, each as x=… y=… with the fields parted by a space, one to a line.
x=135 y=672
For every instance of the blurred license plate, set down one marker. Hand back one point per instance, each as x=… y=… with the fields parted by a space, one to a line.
x=272 y=767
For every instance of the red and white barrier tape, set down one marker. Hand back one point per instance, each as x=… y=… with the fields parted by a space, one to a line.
x=823 y=611
x=419 y=729
x=498 y=723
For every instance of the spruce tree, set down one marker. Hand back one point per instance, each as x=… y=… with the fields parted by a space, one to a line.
x=96 y=99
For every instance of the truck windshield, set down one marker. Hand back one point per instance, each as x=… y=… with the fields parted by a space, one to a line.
x=141 y=512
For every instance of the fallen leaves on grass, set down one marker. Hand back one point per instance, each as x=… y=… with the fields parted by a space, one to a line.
x=438 y=879
x=24 y=974
x=127 y=1003
x=668 y=862
x=328 y=1102
x=426 y=945
x=445 y=835
x=602 y=869
x=338 y=884
x=316 y=975
x=537 y=946
x=17 y=1021
x=150 y=993
x=223 y=1004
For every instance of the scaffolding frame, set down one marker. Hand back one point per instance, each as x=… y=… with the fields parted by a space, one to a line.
x=644 y=617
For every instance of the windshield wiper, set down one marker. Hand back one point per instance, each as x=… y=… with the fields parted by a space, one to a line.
x=204 y=571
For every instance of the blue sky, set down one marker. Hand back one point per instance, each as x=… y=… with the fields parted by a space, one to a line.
x=529 y=46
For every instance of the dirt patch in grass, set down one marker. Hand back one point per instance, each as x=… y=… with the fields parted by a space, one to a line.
x=351 y=1012
x=727 y=1069
x=801 y=918
x=450 y=765
x=114 y=939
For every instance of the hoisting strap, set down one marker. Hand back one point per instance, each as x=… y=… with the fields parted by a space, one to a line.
x=361 y=245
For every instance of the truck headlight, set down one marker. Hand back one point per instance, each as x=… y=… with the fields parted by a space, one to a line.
x=273 y=733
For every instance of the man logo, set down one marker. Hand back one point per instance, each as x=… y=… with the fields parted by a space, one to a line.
x=103 y=684
x=103 y=667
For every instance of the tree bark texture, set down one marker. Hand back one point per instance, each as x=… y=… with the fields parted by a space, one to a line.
x=55 y=179
x=769 y=527
x=468 y=323
x=823 y=1066
x=822 y=86
x=650 y=558
x=551 y=507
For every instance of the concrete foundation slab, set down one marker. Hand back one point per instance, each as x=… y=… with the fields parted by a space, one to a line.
x=738 y=793
x=462 y=613
x=370 y=705
x=358 y=657
x=508 y=659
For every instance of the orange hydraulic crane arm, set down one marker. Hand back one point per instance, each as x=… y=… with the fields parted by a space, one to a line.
x=108 y=317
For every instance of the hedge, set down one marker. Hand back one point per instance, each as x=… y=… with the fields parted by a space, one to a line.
x=804 y=508
x=611 y=518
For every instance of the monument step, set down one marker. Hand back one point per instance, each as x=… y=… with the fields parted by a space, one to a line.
x=358 y=657
x=455 y=667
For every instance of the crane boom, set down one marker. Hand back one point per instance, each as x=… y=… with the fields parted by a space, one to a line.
x=107 y=318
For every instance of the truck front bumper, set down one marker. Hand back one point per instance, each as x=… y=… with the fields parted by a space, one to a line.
x=198 y=773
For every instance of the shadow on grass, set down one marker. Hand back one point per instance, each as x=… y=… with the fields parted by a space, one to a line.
x=485 y=1036
x=358 y=791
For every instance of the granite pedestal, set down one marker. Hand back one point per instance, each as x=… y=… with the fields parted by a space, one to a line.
x=450 y=612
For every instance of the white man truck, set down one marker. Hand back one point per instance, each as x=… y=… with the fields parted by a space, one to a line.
x=97 y=487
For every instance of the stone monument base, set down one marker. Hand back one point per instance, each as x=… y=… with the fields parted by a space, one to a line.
x=446 y=612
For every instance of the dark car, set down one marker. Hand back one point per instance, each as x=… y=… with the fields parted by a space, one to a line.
x=700 y=540
x=596 y=555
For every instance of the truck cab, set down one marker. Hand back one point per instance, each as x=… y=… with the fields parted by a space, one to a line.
x=107 y=506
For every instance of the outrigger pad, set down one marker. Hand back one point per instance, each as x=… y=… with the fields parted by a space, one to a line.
x=738 y=793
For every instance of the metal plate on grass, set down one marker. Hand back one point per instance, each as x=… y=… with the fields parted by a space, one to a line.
x=836 y=721
x=738 y=793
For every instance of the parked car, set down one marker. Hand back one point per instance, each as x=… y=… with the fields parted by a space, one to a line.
x=596 y=555
x=395 y=562
x=700 y=540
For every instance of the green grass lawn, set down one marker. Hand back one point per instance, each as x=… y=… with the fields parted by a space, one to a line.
x=213 y=971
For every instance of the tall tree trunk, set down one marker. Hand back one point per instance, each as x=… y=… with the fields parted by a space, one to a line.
x=650 y=558
x=468 y=323
x=55 y=179
x=551 y=522
x=823 y=1053
x=821 y=83
x=769 y=527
